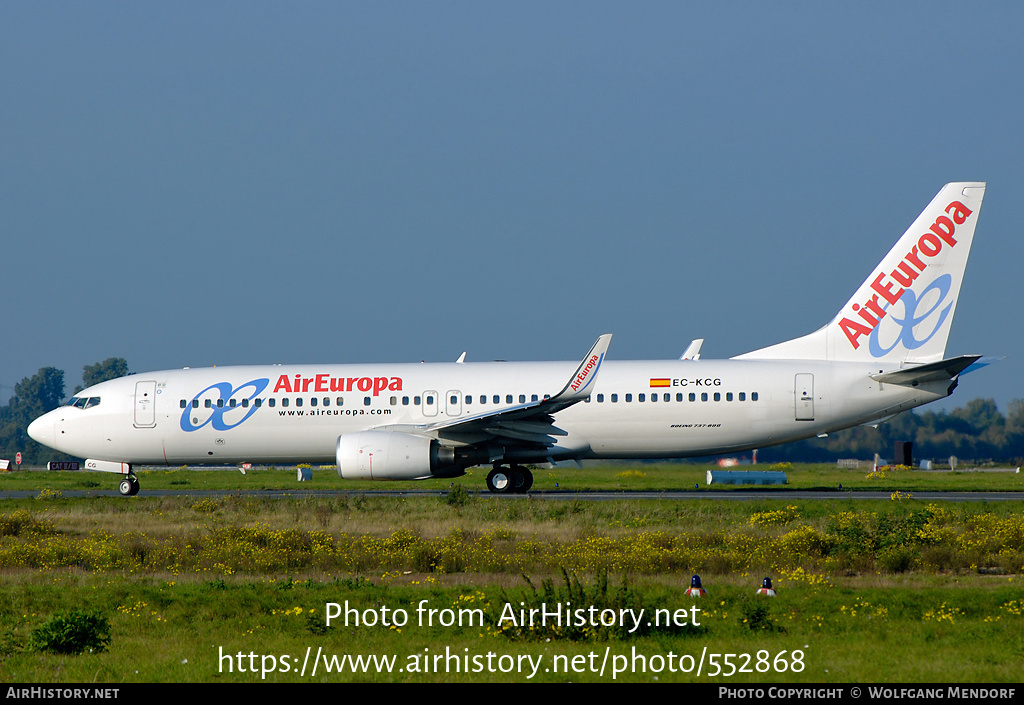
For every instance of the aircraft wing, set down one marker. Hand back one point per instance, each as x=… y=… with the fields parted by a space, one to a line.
x=531 y=423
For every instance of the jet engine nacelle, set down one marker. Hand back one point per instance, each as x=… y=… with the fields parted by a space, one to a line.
x=391 y=455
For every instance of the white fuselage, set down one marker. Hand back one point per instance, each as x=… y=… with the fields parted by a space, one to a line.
x=645 y=409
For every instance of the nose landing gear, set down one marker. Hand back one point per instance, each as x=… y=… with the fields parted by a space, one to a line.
x=129 y=486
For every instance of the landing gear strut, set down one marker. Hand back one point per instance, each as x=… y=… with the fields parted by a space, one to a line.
x=513 y=479
x=129 y=486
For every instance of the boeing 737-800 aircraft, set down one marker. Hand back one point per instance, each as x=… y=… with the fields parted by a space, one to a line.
x=884 y=352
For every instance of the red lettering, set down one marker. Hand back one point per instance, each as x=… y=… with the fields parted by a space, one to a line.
x=349 y=381
x=853 y=331
x=321 y=383
x=929 y=244
x=283 y=384
x=871 y=320
x=960 y=212
x=904 y=275
x=364 y=384
x=914 y=259
x=872 y=304
x=944 y=228
x=337 y=384
x=885 y=290
x=396 y=384
x=379 y=384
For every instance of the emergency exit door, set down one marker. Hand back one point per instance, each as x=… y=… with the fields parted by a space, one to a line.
x=804 y=397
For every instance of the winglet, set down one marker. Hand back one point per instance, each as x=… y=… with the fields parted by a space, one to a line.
x=582 y=381
x=693 y=351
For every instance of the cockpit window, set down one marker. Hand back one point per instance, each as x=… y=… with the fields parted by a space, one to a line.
x=83 y=402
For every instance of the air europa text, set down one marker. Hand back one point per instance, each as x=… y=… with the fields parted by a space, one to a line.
x=326 y=383
x=891 y=287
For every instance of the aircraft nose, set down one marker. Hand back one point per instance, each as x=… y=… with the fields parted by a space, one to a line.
x=41 y=430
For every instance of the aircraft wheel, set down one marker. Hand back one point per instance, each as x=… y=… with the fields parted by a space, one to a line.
x=127 y=488
x=522 y=479
x=135 y=484
x=499 y=480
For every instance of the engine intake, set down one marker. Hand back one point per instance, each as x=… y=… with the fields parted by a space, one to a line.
x=391 y=455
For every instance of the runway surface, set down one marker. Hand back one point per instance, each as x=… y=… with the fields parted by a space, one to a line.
x=556 y=495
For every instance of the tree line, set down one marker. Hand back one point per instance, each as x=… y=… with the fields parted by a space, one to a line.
x=978 y=431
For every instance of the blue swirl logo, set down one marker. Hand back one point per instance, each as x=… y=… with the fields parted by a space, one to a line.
x=221 y=405
x=912 y=318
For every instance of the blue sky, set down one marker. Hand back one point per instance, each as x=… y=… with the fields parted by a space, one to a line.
x=191 y=183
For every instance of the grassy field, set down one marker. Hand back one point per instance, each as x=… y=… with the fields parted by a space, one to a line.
x=237 y=589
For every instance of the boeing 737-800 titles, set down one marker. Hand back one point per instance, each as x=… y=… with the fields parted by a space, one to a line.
x=884 y=352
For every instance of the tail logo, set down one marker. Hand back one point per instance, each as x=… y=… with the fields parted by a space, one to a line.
x=911 y=319
x=888 y=288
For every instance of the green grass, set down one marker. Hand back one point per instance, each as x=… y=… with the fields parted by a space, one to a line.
x=623 y=476
x=876 y=590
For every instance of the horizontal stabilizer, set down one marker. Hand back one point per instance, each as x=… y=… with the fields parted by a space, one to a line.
x=932 y=372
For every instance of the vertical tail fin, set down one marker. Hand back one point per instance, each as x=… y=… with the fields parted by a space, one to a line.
x=903 y=310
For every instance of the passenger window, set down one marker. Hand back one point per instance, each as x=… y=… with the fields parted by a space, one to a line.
x=258 y=403
x=272 y=402
x=615 y=398
x=522 y=398
x=312 y=402
x=430 y=400
x=195 y=403
x=298 y=402
x=284 y=402
x=208 y=404
x=405 y=401
x=743 y=396
x=366 y=401
x=496 y=399
x=483 y=398
x=753 y=396
x=416 y=400
x=183 y=403
x=340 y=401
x=629 y=397
x=728 y=396
x=533 y=398
x=703 y=396
x=600 y=398
x=693 y=397
x=667 y=397
x=508 y=399
x=454 y=400
x=641 y=397
x=394 y=401
x=245 y=403
x=718 y=396
x=327 y=401
x=220 y=403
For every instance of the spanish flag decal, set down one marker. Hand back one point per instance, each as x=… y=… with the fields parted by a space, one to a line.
x=660 y=382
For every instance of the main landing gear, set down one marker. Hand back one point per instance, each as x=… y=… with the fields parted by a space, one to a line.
x=129 y=486
x=513 y=479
